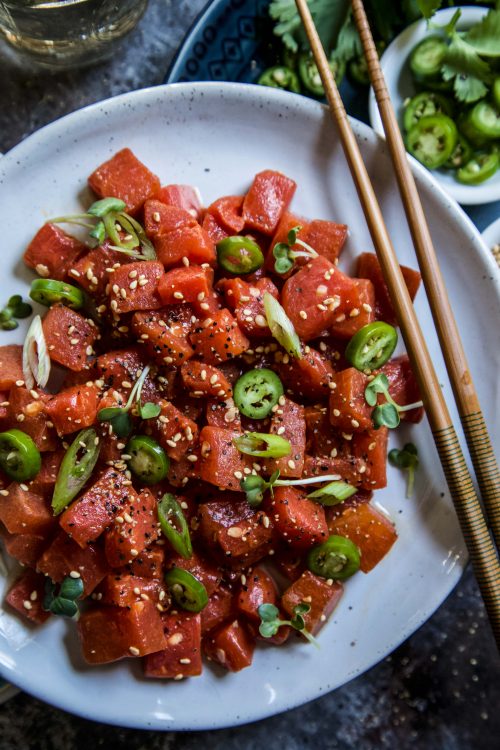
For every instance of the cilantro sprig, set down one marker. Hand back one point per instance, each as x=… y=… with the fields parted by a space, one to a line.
x=463 y=65
x=388 y=413
x=407 y=460
x=119 y=416
x=270 y=621
x=255 y=486
x=285 y=255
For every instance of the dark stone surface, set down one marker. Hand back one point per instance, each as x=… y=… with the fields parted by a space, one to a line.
x=438 y=691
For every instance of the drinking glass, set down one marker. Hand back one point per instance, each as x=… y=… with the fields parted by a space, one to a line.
x=68 y=33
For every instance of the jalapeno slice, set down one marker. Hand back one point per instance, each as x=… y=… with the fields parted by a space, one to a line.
x=337 y=558
x=256 y=392
x=423 y=105
x=432 y=140
x=461 y=154
x=357 y=69
x=309 y=73
x=280 y=77
x=174 y=525
x=188 y=592
x=484 y=120
x=148 y=461
x=478 y=169
x=49 y=292
x=239 y=255
x=427 y=58
x=371 y=346
x=19 y=457
x=76 y=468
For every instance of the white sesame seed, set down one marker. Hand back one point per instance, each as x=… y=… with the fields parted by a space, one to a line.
x=235 y=532
x=260 y=321
x=74 y=574
x=134 y=651
x=175 y=639
x=27 y=604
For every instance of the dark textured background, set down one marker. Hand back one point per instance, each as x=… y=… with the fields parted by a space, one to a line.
x=439 y=691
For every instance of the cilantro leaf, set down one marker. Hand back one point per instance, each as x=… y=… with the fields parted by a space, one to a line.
x=327 y=15
x=464 y=66
x=485 y=35
x=348 y=41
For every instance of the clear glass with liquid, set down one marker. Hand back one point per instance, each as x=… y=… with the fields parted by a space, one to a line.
x=68 y=33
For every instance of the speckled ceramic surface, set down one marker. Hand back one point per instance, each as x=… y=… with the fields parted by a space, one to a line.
x=218 y=136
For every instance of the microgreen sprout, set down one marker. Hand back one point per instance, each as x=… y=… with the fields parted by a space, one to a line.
x=106 y=219
x=388 y=413
x=285 y=255
x=406 y=459
x=255 y=486
x=270 y=621
x=15 y=308
x=65 y=602
x=119 y=417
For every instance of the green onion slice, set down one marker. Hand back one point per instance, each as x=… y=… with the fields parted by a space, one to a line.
x=281 y=326
x=263 y=445
x=36 y=360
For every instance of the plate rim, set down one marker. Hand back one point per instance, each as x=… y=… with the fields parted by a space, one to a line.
x=363 y=130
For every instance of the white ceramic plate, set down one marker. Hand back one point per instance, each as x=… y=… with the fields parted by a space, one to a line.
x=399 y=83
x=217 y=136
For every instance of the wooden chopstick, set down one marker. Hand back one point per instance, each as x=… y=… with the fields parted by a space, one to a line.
x=479 y=543
x=471 y=416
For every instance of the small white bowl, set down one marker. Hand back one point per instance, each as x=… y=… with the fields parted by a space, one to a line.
x=400 y=86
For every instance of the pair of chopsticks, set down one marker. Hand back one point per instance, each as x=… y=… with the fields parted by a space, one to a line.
x=483 y=554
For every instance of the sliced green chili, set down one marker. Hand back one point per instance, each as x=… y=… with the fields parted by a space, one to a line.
x=174 y=525
x=239 y=255
x=49 y=292
x=19 y=457
x=188 y=592
x=256 y=392
x=337 y=558
x=371 y=346
x=76 y=468
x=148 y=461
